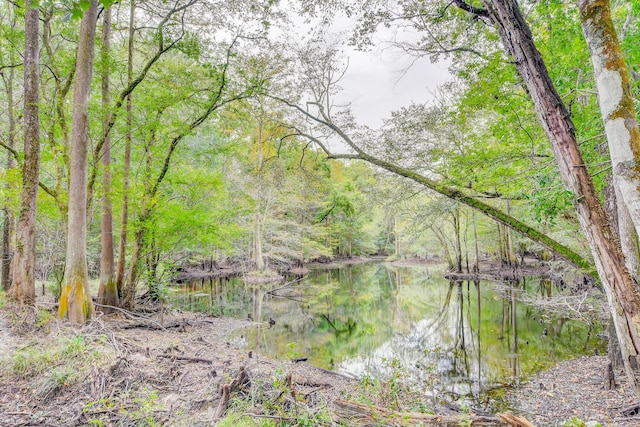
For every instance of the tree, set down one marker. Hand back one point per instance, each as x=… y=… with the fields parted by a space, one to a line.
x=124 y=218
x=24 y=261
x=75 y=300
x=517 y=39
x=107 y=291
x=622 y=292
x=615 y=97
x=8 y=225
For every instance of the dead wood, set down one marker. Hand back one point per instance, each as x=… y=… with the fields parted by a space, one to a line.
x=187 y=358
x=156 y=326
x=632 y=410
x=608 y=377
x=514 y=421
x=355 y=413
x=227 y=389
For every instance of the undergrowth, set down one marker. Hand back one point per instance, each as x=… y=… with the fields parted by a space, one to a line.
x=276 y=402
x=33 y=360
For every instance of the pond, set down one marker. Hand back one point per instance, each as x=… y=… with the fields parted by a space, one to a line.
x=450 y=339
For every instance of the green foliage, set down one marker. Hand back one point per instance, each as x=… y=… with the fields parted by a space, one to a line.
x=44 y=317
x=136 y=407
x=577 y=422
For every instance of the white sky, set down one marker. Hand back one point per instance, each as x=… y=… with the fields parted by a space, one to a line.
x=376 y=84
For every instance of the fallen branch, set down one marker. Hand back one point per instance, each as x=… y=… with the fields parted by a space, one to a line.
x=188 y=358
x=355 y=413
x=514 y=421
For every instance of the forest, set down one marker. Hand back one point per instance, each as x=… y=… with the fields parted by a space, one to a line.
x=149 y=143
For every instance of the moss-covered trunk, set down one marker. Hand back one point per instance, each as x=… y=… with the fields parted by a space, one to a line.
x=616 y=102
x=620 y=288
x=75 y=300
x=24 y=260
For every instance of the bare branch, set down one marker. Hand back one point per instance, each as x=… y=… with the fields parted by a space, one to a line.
x=478 y=11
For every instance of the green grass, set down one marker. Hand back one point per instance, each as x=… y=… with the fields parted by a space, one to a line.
x=31 y=360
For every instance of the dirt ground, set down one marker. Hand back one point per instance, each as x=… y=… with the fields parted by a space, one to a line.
x=171 y=368
x=161 y=369
x=574 y=388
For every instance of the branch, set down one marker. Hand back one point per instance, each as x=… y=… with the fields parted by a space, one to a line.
x=110 y=122
x=477 y=11
x=16 y=155
x=3 y=67
x=10 y=149
x=452 y=193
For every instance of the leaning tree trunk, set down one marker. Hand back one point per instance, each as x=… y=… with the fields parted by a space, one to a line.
x=107 y=291
x=616 y=101
x=622 y=292
x=24 y=262
x=75 y=300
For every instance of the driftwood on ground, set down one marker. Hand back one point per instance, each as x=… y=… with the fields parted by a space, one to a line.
x=355 y=413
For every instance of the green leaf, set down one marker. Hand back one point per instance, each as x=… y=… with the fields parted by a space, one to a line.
x=85 y=5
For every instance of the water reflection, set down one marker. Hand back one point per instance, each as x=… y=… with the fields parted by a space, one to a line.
x=448 y=338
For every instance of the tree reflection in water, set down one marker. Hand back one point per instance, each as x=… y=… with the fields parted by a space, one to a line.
x=447 y=338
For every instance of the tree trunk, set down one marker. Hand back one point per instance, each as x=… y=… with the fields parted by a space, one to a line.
x=24 y=262
x=258 y=257
x=122 y=245
x=75 y=300
x=623 y=226
x=8 y=228
x=622 y=292
x=616 y=101
x=107 y=291
x=511 y=249
x=457 y=245
x=128 y=299
x=476 y=263
x=396 y=235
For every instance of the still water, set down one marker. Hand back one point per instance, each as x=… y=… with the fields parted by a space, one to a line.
x=451 y=339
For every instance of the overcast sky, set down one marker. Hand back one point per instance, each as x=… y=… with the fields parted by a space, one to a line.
x=378 y=83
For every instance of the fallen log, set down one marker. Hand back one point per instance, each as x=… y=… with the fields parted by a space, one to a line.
x=355 y=413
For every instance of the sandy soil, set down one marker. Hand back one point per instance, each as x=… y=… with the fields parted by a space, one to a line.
x=574 y=388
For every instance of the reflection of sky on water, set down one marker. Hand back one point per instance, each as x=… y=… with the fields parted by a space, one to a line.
x=449 y=338
x=428 y=356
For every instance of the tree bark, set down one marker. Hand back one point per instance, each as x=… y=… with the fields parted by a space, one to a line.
x=615 y=98
x=24 y=262
x=58 y=141
x=8 y=226
x=124 y=224
x=622 y=292
x=107 y=291
x=75 y=300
